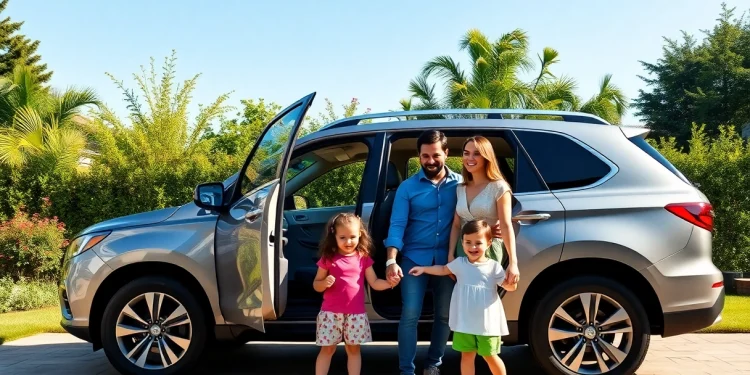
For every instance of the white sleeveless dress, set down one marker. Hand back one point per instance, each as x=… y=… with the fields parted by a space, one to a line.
x=483 y=207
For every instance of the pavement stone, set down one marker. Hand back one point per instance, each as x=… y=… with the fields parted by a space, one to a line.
x=724 y=354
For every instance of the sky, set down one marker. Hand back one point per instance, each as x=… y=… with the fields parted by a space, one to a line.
x=284 y=50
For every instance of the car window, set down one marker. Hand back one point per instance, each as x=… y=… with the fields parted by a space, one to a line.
x=453 y=162
x=562 y=162
x=648 y=149
x=337 y=187
x=527 y=179
x=297 y=166
x=264 y=165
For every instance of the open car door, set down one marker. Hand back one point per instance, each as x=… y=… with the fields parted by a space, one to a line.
x=250 y=268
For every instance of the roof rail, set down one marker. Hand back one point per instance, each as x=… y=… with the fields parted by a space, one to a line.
x=496 y=113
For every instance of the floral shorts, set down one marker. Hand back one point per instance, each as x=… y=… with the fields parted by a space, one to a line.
x=332 y=328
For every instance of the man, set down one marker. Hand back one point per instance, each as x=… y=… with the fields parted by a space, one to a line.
x=420 y=229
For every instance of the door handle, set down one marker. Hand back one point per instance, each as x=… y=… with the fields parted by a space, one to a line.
x=252 y=216
x=300 y=217
x=272 y=239
x=531 y=217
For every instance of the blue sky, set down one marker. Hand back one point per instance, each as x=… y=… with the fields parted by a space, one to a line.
x=283 y=50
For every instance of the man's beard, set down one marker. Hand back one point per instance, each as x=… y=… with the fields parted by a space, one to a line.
x=432 y=173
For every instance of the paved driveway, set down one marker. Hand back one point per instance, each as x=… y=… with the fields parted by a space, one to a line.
x=62 y=354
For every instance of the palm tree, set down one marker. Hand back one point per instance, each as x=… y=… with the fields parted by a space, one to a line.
x=610 y=103
x=494 y=80
x=41 y=124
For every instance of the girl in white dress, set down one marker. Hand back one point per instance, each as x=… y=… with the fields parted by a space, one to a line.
x=476 y=316
x=482 y=196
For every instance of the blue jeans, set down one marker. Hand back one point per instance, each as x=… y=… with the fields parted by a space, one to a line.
x=413 y=289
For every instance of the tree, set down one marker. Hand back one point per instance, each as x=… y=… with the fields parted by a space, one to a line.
x=323 y=119
x=160 y=133
x=40 y=125
x=706 y=83
x=237 y=136
x=494 y=81
x=18 y=49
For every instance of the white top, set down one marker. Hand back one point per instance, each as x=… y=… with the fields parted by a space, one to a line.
x=484 y=204
x=476 y=307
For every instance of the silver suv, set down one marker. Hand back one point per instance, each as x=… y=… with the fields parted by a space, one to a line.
x=614 y=243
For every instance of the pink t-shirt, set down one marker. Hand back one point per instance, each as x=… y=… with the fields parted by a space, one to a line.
x=347 y=294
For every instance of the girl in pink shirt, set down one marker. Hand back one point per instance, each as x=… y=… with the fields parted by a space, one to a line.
x=344 y=264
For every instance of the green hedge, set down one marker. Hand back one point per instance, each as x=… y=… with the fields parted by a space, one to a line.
x=26 y=295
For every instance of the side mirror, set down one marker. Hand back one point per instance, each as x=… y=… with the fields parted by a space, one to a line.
x=209 y=196
x=300 y=202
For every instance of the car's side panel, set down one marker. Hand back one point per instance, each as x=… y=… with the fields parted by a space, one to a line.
x=630 y=226
x=539 y=243
x=186 y=240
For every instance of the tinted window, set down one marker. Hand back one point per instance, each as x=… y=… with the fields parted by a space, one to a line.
x=527 y=180
x=563 y=163
x=643 y=145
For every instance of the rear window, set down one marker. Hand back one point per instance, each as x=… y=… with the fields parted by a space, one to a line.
x=563 y=163
x=647 y=148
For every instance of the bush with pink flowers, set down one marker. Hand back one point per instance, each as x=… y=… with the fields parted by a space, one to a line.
x=31 y=245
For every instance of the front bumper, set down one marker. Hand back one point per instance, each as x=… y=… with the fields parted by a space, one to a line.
x=79 y=279
x=677 y=323
x=81 y=332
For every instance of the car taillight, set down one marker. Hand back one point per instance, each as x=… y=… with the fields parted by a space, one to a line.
x=699 y=214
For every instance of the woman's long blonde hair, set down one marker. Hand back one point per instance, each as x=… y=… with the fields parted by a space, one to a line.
x=491 y=168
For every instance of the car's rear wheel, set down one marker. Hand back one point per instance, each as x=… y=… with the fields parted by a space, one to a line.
x=153 y=325
x=589 y=325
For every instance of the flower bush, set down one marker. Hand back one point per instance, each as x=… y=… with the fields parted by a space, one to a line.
x=31 y=245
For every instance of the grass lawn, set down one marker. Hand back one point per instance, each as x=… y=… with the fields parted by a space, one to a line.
x=735 y=317
x=17 y=324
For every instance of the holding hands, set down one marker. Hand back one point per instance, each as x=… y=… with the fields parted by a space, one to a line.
x=394 y=274
x=512 y=276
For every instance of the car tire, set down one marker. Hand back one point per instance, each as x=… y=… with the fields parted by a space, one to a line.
x=611 y=294
x=174 y=349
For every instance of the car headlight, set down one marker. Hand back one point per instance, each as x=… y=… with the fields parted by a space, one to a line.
x=83 y=243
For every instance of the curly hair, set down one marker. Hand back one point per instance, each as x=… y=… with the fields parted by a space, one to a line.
x=329 y=247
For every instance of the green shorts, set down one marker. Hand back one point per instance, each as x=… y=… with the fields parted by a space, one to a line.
x=483 y=345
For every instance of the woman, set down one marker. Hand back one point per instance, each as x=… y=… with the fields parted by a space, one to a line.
x=482 y=196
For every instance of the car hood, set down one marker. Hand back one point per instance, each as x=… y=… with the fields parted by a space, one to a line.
x=135 y=220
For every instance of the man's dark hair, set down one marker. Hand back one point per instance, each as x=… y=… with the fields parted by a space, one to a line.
x=431 y=137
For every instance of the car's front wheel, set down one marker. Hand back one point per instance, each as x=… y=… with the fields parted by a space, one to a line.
x=153 y=325
x=589 y=325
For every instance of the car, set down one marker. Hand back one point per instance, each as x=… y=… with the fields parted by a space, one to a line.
x=613 y=242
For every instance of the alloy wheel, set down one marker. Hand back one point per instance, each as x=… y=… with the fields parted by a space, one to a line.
x=590 y=333
x=153 y=331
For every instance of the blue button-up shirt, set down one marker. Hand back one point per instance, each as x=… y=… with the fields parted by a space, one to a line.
x=422 y=217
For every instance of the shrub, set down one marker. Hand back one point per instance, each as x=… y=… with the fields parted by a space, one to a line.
x=26 y=295
x=31 y=246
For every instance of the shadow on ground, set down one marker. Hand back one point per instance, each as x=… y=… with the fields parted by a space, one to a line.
x=295 y=358
x=253 y=358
